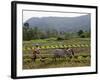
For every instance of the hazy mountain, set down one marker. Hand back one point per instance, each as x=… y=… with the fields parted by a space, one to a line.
x=67 y=24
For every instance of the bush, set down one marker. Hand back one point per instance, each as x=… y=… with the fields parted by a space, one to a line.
x=60 y=38
x=82 y=36
x=85 y=35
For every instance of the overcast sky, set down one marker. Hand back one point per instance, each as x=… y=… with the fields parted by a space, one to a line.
x=29 y=14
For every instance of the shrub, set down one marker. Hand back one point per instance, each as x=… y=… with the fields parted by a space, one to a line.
x=60 y=38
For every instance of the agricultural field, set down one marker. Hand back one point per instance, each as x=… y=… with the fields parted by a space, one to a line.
x=80 y=46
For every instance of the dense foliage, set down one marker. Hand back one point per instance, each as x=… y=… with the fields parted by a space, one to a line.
x=36 y=33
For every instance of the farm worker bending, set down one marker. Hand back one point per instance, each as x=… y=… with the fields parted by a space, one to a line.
x=36 y=52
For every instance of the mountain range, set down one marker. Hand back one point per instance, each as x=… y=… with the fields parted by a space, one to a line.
x=66 y=24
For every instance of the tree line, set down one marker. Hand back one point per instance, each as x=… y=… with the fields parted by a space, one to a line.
x=35 y=33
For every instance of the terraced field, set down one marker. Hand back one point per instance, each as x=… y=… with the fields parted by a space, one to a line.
x=81 y=47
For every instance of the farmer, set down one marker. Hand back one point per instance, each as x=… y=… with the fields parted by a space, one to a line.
x=36 y=52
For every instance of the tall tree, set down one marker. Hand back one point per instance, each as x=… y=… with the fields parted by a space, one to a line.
x=80 y=32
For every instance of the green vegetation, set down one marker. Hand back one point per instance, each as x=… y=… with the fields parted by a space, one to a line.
x=53 y=41
x=81 y=58
x=36 y=33
x=52 y=37
x=83 y=34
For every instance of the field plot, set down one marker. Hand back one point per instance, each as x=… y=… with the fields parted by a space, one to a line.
x=80 y=47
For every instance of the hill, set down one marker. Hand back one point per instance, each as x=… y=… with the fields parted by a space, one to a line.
x=66 y=24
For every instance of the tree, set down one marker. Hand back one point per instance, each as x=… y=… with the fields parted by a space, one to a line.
x=37 y=33
x=80 y=32
x=25 y=31
x=26 y=25
x=48 y=33
x=85 y=35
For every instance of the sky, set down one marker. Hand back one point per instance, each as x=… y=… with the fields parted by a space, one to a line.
x=29 y=14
